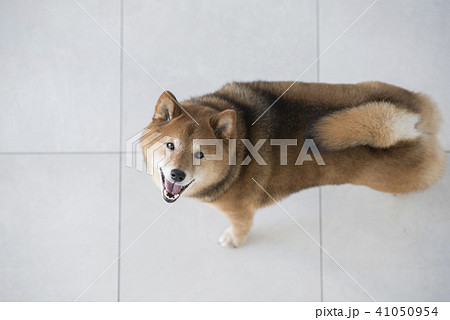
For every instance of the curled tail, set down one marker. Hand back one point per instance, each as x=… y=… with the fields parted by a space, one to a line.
x=430 y=118
x=375 y=124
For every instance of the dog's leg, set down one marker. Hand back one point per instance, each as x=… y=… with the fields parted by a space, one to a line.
x=235 y=235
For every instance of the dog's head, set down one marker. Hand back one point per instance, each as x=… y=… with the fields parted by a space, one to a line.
x=182 y=161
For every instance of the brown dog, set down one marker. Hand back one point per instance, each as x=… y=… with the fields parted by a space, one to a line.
x=370 y=133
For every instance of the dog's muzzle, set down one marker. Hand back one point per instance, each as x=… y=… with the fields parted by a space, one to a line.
x=171 y=191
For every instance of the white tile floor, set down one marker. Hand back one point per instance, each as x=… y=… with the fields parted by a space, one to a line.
x=68 y=203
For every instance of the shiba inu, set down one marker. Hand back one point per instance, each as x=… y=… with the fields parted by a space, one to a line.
x=371 y=134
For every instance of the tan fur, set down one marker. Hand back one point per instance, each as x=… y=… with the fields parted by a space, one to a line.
x=430 y=119
x=371 y=134
x=376 y=124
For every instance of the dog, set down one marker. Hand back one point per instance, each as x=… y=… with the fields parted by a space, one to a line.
x=371 y=134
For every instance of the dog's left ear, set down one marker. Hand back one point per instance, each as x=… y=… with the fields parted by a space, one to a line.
x=224 y=124
x=167 y=107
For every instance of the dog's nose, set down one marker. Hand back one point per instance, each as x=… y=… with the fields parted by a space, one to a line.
x=177 y=175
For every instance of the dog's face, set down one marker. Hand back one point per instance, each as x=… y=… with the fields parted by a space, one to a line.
x=180 y=162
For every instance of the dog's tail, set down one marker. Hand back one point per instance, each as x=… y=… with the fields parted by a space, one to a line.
x=376 y=124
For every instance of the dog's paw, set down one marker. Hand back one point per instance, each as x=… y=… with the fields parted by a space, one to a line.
x=228 y=240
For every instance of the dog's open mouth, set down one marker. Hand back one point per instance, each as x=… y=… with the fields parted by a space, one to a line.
x=172 y=191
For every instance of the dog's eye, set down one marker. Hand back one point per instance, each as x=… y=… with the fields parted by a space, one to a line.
x=199 y=155
x=170 y=145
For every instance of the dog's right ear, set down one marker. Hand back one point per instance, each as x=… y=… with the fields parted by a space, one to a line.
x=167 y=107
x=224 y=124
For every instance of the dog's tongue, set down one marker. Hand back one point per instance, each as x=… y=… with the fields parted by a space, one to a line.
x=171 y=187
x=176 y=189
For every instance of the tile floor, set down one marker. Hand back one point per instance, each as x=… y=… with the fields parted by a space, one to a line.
x=70 y=100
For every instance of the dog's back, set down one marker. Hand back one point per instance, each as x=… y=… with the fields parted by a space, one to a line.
x=371 y=133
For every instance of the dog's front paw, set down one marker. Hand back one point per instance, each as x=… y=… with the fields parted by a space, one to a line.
x=228 y=240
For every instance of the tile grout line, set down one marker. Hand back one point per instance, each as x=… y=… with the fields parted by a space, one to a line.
x=49 y=153
x=119 y=248
x=320 y=188
x=317 y=43
x=58 y=153
x=321 y=244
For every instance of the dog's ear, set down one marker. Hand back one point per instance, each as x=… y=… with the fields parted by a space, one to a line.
x=167 y=107
x=224 y=124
